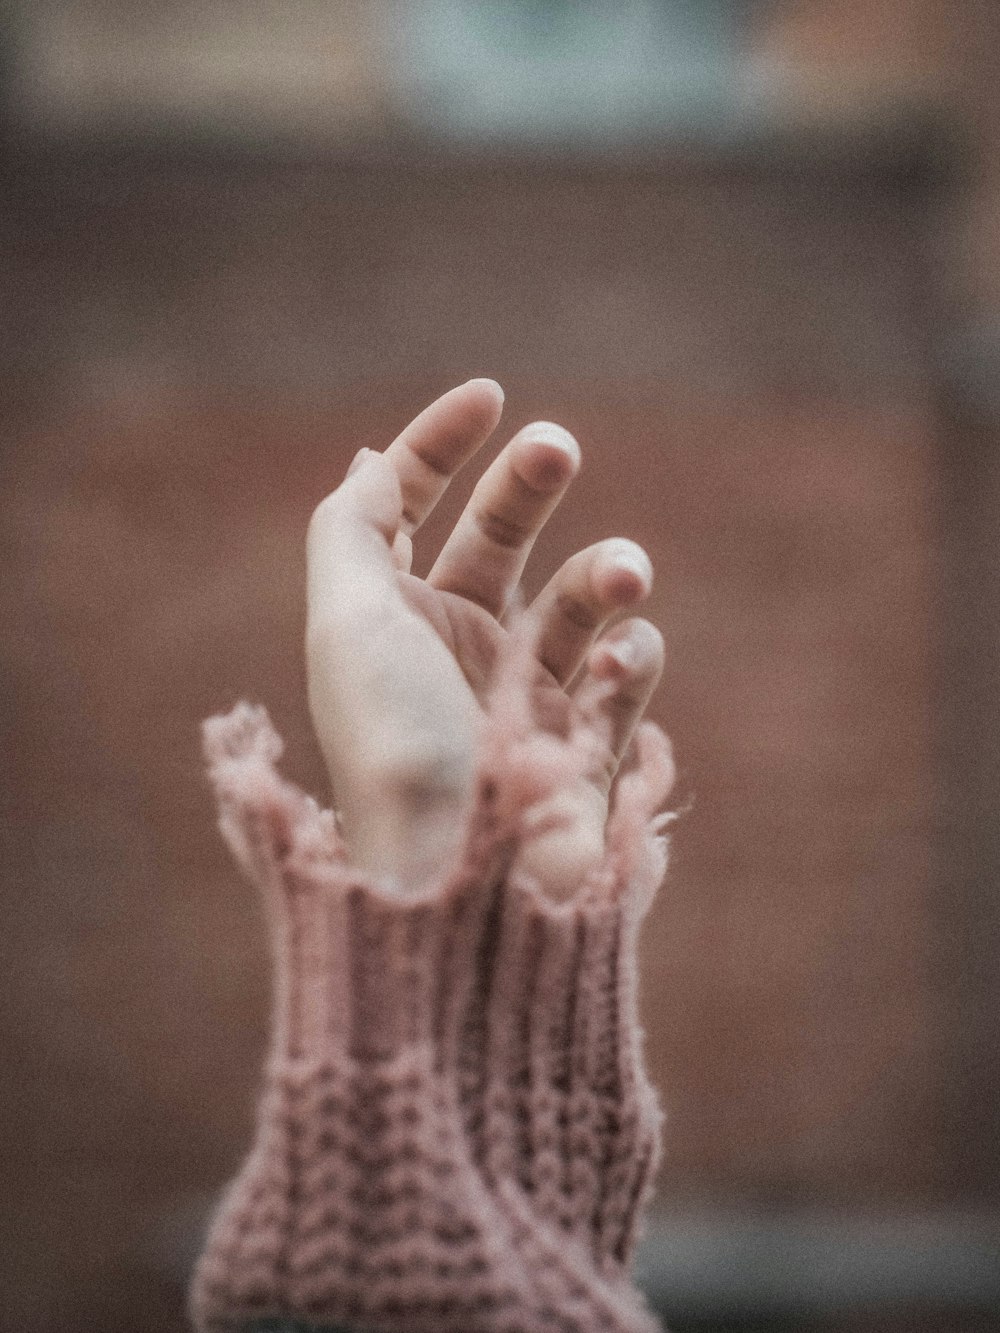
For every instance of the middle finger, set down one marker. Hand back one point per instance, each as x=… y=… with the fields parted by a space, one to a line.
x=483 y=558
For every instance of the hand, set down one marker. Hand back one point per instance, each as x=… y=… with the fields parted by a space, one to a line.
x=399 y=668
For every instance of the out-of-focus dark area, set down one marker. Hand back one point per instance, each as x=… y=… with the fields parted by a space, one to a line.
x=748 y=252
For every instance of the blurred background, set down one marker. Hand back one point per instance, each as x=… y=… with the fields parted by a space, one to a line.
x=747 y=250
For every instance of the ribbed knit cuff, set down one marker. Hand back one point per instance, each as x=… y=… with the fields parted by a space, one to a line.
x=456 y=1131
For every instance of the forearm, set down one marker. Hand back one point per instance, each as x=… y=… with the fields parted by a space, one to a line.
x=456 y=1131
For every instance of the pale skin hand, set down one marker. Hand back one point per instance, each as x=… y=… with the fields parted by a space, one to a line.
x=399 y=668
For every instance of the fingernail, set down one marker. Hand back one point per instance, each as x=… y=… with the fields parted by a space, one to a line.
x=480 y=379
x=552 y=465
x=547 y=432
x=624 y=653
x=632 y=559
x=612 y=661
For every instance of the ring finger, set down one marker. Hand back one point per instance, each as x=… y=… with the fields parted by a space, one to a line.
x=580 y=598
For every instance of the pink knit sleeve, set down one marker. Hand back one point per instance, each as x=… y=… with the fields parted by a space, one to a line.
x=456 y=1133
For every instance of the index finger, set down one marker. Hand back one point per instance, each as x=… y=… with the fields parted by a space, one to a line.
x=437 y=443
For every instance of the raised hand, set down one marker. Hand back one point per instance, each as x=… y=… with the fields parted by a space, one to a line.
x=400 y=668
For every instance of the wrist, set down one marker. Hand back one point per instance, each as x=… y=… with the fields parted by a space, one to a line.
x=407 y=825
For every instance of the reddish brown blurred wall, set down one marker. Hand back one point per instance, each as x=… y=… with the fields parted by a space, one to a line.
x=194 y=348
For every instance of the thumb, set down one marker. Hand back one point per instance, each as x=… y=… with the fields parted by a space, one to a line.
x=349 y=543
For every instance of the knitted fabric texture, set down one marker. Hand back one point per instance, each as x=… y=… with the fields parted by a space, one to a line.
x=456 y=1133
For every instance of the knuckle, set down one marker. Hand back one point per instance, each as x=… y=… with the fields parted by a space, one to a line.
x=501 y=531
x=437 y=467
x=626 y=702
x=577 y=611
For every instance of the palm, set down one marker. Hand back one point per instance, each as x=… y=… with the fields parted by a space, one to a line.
x=473 y=637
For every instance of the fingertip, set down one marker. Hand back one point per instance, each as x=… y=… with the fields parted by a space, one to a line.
x=613 y=657
x=548 y=457
x=493 y=387
x=634 y=648
x=647 y=641
x=625 y=572
x=486 y=399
